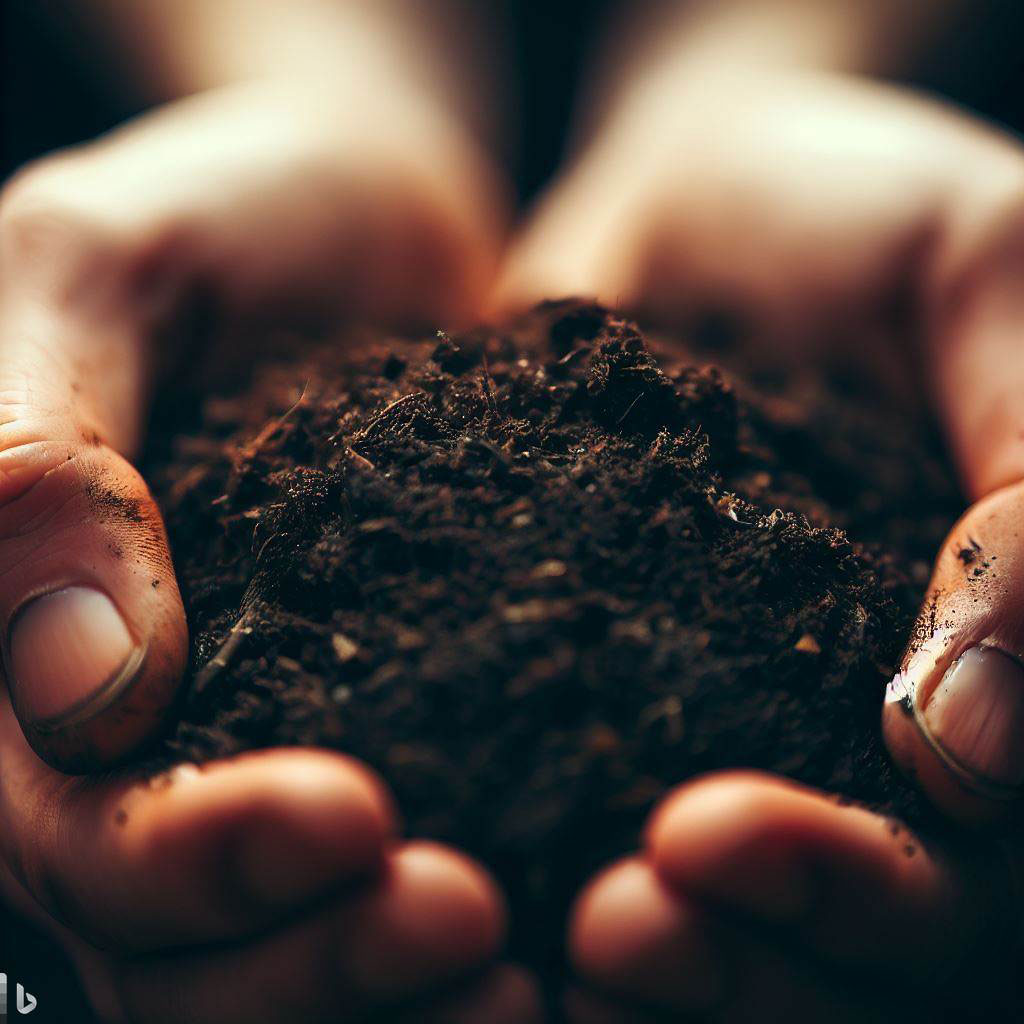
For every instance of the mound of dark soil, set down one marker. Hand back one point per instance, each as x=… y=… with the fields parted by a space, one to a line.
x=535 y=580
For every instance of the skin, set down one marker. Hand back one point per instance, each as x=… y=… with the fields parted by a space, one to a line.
x=818 y=205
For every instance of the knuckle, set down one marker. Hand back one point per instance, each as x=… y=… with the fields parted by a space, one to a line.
x=31 y=460
x=56 y=476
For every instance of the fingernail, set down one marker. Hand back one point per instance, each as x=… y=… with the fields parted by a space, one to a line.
x=70 y=654
x=976 y=715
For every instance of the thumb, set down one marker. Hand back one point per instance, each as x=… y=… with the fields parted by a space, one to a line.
x=93 y=630
x=954 y=714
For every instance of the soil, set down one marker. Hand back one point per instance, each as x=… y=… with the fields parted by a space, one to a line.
x=537 y=576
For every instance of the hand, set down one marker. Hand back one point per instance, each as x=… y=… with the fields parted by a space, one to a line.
x=269 y=887
x=823 y=207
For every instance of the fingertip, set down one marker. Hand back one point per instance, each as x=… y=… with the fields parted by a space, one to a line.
x=434 y=916
x=96 y=641
x=705 y=837
x=577 y=242
x=965 y=800
x=201 y=854
x=953 y=714
x=452 y=895
x=630 y=934
x=763 y=844
x=320 y=820
x=619 y=918
x=835 y=875
x=127 y=713
x=513 y=292
x=539 y=269
x=283 y=823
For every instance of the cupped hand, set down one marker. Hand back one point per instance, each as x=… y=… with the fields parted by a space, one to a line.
x=269 y=887
x=824 y=209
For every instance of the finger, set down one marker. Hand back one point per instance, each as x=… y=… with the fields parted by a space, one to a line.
x=630 y=934
x=93 y=629
x=650 y=954
x=282 y=206
x=833 y=877
x=954 y=713
x=196 y=855
x=973 y=313
x=754 y=204
x=433 y=917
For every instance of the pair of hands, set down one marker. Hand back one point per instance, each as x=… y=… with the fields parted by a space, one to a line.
x=272 y=886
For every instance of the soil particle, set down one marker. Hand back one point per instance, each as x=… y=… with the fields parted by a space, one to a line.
x=110 y=505
x=969 y=554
